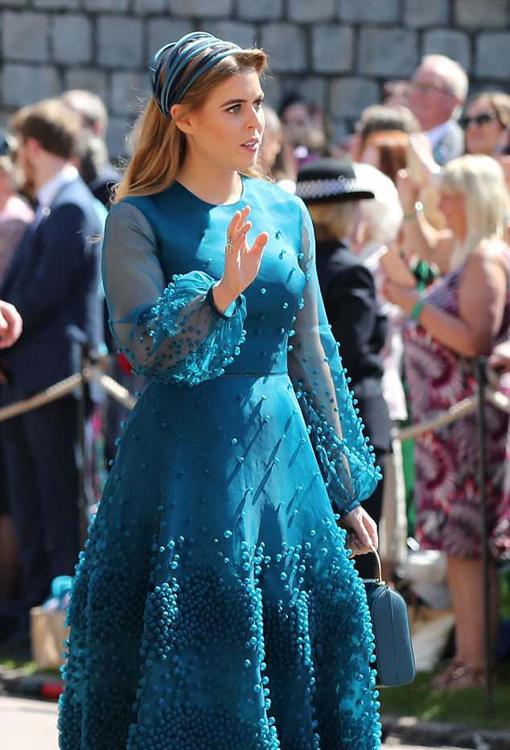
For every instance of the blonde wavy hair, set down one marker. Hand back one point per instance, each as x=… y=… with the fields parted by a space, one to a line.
x=480 y=180
x=159 y=147
x=333 y=221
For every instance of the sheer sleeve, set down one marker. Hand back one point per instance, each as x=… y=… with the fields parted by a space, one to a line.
x=336 y=432
x=171 y=332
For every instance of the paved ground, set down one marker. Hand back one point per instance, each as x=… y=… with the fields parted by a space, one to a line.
x=31 y=725
x=27 y=725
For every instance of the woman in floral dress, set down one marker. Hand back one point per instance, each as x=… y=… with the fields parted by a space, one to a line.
x=462 y=316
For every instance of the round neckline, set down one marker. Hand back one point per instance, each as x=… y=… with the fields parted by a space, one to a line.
x=215 y=205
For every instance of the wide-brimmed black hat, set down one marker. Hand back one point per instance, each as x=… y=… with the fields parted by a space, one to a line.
x=327 y=180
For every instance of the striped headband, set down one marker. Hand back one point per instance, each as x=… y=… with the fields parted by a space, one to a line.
x=169 y=64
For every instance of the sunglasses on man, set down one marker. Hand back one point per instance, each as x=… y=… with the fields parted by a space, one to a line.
x=482 y=119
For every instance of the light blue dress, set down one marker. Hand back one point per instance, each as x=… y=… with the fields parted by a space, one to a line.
x=215 y=607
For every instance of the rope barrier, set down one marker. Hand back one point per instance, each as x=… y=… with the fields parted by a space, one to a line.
x=499 y=400
x=121 y=394
x=457 y=411
x=111 y=386
x=53 y=393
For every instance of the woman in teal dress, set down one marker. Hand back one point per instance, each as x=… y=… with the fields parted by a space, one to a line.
x=215 y=606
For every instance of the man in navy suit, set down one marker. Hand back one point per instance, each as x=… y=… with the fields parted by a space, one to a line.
x=53 y=282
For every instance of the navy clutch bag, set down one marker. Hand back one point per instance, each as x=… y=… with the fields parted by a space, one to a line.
x=390 y=623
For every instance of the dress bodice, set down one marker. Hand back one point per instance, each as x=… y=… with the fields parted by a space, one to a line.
x=191 y=235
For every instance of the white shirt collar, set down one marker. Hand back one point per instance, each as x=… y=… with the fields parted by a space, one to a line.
x=435 y=134
x=48 y=192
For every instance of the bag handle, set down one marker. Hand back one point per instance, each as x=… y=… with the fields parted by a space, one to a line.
x=379 y=577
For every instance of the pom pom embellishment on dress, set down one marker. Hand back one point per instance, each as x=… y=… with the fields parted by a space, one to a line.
x=215 y=606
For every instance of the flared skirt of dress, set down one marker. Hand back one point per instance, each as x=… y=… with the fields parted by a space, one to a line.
x=215 y=607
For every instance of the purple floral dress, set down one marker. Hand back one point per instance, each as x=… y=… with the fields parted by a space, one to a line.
x=446 y=490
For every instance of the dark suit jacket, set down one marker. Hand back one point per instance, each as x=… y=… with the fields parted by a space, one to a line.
x=360 y=328
x=451 y=144
x=53 y=281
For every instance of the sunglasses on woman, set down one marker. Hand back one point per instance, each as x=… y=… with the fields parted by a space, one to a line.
x=482 y=119
x=5 y=144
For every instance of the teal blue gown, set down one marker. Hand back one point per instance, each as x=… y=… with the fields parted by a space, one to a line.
x=215 y=606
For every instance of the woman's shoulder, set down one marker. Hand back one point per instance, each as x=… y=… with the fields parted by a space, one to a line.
x=487 y=265
x=140 y=202
x=145 y=205
x=124 y=209
x=490 y=252
x=129 y=215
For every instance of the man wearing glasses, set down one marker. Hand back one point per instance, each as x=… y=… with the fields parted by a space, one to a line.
x=436 y=97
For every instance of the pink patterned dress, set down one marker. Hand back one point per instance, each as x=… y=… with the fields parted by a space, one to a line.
x=446 y=489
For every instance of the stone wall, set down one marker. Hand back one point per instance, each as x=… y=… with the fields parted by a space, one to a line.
x=336 y=52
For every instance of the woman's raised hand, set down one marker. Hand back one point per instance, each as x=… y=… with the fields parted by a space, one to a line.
x=408 y=191
x=242 y=262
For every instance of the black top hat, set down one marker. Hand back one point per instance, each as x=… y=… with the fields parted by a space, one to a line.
x=328 y=180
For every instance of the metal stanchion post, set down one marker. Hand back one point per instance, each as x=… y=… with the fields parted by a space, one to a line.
x=81 y=344
x=82 y=443
x=480 y=367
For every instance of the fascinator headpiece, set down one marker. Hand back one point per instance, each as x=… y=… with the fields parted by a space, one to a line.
x=170 y=76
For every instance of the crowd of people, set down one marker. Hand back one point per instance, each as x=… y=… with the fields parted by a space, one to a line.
x=428 y=248
x=411 y=216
